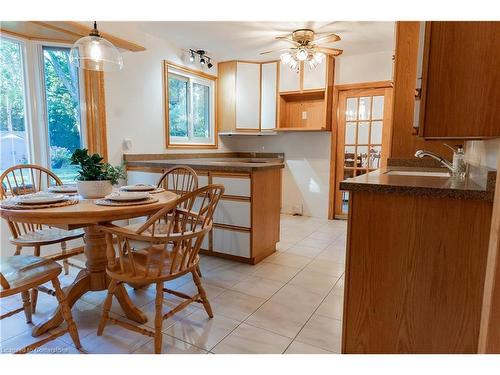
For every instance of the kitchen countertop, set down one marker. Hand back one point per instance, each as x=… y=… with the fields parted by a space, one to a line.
x=227 y=162
x=479 y=184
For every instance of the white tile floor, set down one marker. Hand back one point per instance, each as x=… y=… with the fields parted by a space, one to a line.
x=289 y=303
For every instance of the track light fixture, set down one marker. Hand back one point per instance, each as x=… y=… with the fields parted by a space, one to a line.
x=204 y=59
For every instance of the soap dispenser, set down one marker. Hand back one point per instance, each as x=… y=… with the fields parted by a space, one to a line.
x=459 y=165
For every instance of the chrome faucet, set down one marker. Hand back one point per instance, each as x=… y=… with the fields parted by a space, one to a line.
x=457 y=168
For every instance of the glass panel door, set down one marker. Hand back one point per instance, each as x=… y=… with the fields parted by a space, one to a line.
x=13 y=120
x=361 y=137
x=62 y=98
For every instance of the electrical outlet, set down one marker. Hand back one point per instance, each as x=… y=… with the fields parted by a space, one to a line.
x=304 y=115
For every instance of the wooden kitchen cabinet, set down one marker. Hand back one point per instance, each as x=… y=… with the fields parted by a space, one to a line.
x=460 y=80
x=247 y=97
x=247 y=219
x=306 y=97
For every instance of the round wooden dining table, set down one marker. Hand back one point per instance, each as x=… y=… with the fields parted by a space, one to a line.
x=87 y=215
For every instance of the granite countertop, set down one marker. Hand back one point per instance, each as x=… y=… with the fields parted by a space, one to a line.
x=227 y=162
x=479 y=184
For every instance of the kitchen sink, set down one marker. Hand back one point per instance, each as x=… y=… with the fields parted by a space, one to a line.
x=418 y=173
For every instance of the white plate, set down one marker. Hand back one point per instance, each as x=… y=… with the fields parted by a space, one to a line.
x=138 y=187
x=40 y=198
x=123 y=196
x=62 y=189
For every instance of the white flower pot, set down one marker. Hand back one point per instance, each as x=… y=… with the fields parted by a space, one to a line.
x=94 y=189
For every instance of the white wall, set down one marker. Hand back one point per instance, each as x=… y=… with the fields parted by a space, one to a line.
x=483 y=152
x=134 y=109
x=363 y=68
x=134 y=95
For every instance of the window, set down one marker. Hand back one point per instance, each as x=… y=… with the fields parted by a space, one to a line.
x=13 y=120
x=191 y=108
x=62 y=103
x=40 y=111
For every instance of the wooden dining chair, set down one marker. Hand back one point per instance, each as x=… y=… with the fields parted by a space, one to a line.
x=180 y=179
x=27 y=179
x=21 y=273
x=173 y=244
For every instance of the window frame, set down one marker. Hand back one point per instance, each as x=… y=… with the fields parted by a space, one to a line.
x=193 y=76
x=35 y=99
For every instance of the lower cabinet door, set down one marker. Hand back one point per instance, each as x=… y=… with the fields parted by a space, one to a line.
x=231 y=242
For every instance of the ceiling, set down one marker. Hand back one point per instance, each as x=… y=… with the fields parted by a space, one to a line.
x=245 y=40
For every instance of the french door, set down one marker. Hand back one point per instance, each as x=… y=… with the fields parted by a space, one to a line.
x=363 y=137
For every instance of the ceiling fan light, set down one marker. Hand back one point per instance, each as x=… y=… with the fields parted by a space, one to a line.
x=293 y=64
x=286 y=58
x=312 y=63
x=302 y=54
x=318 y=57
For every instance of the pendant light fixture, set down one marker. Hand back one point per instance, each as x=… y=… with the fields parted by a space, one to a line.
x=93 y=52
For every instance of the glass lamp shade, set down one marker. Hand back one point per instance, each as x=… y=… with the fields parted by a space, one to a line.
x=96 y=53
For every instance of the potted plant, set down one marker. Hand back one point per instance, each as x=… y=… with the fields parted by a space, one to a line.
x=95 y=178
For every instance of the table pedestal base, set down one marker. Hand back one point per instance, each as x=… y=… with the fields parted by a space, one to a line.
x=93 y=278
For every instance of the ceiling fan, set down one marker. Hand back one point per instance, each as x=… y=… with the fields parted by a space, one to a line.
x=306 y=48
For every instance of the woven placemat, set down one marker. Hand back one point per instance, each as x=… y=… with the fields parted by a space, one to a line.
x=109 y=202
x=11 y=204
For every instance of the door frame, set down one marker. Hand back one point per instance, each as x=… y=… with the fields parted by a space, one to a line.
x=335 y=131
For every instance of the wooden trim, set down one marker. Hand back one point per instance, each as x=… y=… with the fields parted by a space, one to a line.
x=95 y=113
x=143 y=169
x=66 y=31
x=489 y=330
x=333 y=154
x=166 y=113
x=237 y=198
x=425 y=68
x=364 y=85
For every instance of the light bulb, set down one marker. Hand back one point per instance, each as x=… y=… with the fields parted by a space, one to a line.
x=318 y=57
x=95 y=51
x=293 y=64
x=286 y=57
x=302 y=54
x=202 y=61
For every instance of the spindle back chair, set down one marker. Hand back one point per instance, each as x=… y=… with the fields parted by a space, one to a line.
x=19 y=274
x=25 y=179
x=180 y=179
x=173 y=236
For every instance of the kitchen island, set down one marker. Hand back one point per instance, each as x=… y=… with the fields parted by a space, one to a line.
x=247 y=219
x=416 y=257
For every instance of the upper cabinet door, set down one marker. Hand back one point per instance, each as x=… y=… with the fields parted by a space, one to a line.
x=247 y=96
x=315 y=78
x=460 y=80
x=289 y=79
x=268 y=95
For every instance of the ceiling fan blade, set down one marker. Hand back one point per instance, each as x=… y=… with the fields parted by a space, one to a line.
x=275 y=50
x=327 y=39
x=287 y=39
x=330 y=51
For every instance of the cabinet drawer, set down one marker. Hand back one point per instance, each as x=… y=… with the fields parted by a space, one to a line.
x=137 y=177
x=233 y=213
x=231 y=242
x=237 y=186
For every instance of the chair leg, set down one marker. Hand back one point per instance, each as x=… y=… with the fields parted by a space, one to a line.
x=65 y=261
x=198 y=270
x=106 y=307
x=34 y=292
x=158 y=317
x=66 y=313
x=203 y=294
x=18 y=250
x=26 y=305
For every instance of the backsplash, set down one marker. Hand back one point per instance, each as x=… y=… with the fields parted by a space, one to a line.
x=483 y=152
